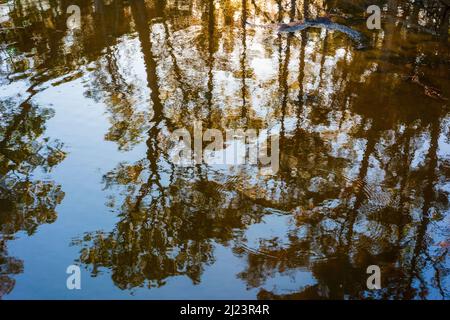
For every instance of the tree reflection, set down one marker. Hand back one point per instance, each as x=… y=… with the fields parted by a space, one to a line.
x=25 y=202
x=362 y=179
x=171 y=218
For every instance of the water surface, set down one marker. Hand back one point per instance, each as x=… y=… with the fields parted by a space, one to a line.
x=86 y=176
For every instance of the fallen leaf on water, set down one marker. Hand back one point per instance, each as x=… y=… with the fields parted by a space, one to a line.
x=444 y=244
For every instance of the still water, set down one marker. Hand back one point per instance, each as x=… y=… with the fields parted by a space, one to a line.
x=86 y=176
